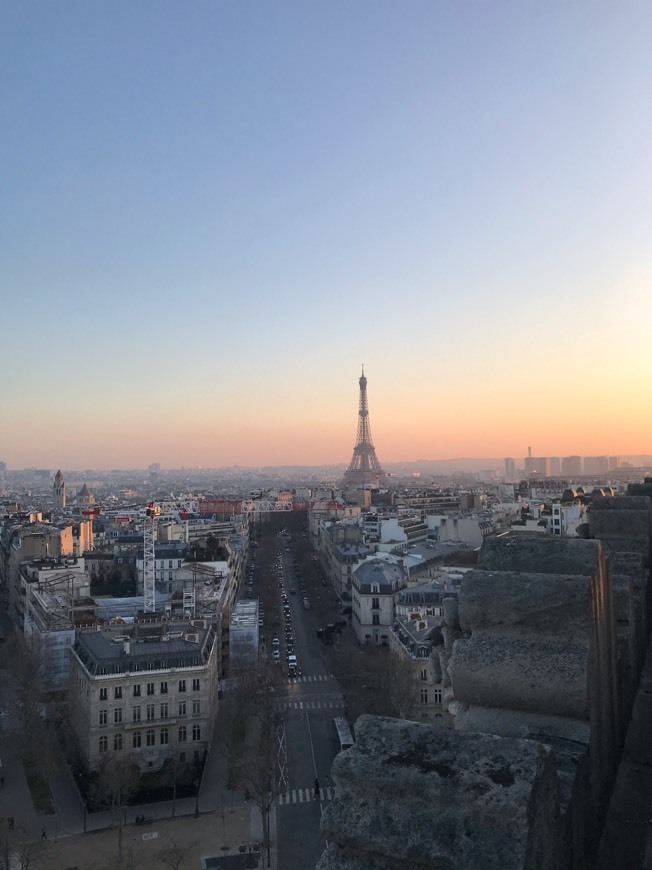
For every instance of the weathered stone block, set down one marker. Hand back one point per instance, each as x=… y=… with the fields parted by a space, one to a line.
x=412 y=797
x=521 y=604
x=537 y=554
x=521 y=674
x=620 y=523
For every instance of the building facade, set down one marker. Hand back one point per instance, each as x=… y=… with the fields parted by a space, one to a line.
x=146 y=691
x=375 y=583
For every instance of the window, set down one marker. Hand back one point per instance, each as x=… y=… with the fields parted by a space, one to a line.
x=103 y=717
x=424 y=673
x=437 y=698
x=150 y=712
x=195 y=685
x=117 y=715
x=196 y=732
x=182 y=685
x=183 y=734
x=136 y=740
x=375 y=604
x=424 y=696
x=375 y=619
x=135 y=714
x=182 y=708
x=196 y=707
x=117 y=742
x=150 y=688
x=137 y=690
x=104 y=743
x=164 y=711
x=164 y=737
x=117 y=692
x=151 y=737
x=103 y=695
x=182 y=757
x=164 y=688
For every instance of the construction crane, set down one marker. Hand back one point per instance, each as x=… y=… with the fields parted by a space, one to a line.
x=149 y=557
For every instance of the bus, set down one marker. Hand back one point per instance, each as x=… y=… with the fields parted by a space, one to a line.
x=343 y=733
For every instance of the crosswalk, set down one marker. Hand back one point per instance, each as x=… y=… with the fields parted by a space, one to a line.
x=306 y=795
x=336 y=703
x=313 y=678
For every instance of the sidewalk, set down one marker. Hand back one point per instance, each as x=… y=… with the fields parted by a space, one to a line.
x=216 y=823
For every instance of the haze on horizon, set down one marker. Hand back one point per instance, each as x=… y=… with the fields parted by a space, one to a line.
x=214 y=213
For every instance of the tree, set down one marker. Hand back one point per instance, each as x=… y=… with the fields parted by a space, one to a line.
x=248 y=734
x=19 y=854
x=116 y=782
x=374 y=680
x=26 y=662
x=173 y=854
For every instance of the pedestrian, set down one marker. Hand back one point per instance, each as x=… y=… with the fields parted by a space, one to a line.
x=44 y=834
x=316 y=789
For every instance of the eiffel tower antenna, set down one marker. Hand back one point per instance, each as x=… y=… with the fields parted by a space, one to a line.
x=364 y=468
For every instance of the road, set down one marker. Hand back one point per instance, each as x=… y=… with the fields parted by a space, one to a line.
x=307 y=704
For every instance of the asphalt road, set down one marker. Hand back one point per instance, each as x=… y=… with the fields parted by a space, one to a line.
x=308 y=705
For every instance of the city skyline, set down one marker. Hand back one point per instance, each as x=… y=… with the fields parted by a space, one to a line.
x=213 y=215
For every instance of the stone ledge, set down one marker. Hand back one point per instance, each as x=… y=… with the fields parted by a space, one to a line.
x=410 y=796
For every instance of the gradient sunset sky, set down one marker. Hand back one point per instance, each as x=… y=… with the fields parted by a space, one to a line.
x=213 y=213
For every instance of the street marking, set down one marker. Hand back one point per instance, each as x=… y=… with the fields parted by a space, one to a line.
x=151 y=836
x=306 y=795
x=327 y=701
x=314 y=678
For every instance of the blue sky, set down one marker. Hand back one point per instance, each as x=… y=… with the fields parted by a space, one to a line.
x=213 y=213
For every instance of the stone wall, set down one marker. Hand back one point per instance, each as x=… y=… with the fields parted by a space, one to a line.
x=409 y=796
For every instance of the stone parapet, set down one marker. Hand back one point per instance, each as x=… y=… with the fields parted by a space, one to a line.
x=522 y=675
x=409 y=796
x=540 y=555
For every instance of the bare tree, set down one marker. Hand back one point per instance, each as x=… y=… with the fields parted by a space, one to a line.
x=173 y=854
x=19 y=854
x=115 y=785
x=395 y=683
x=259 y=767
x=374 y=680
x=26 y=663
x=248 y=734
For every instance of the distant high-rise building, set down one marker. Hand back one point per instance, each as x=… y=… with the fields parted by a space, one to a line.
x=596 y=465
x=537 y=466
x=571 y=466
x=614 y=462
x=510 y=469
x=59 y=492
x=364 y=468
x=555 y=466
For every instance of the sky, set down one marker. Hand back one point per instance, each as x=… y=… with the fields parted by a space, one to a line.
x=212 y=213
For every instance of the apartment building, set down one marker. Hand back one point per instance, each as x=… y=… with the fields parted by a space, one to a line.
x=375 y=583
x=147 y=691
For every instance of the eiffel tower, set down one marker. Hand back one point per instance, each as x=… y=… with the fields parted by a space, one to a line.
x=364 y=469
